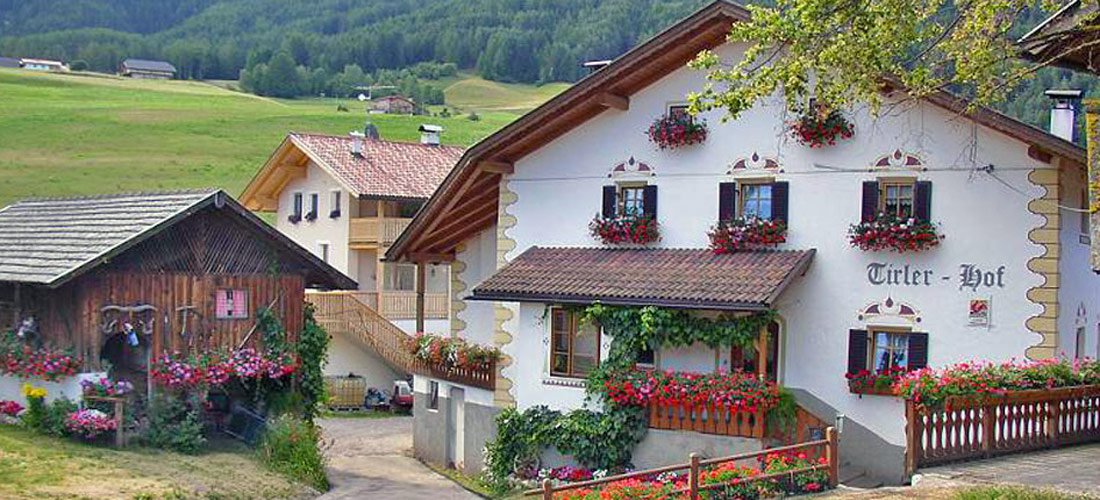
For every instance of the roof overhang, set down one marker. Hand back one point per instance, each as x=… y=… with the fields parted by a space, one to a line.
x=289 y=161
x=1069 y=38
x=466 y=202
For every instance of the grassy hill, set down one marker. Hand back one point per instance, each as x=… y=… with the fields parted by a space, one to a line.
x=87 y=133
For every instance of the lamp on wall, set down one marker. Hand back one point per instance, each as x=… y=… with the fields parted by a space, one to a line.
x=840 y=423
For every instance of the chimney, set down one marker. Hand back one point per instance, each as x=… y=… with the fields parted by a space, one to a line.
x=357 y=144
x=1063 y=112
x=429 y=134
x=371 y=132
x=594 y=66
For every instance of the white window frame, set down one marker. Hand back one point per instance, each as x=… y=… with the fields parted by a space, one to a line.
x=324 y=251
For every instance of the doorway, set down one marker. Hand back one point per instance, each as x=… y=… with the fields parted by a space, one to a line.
x=762 y=357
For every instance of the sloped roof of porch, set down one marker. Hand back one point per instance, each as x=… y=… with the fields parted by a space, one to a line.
x=681 y=278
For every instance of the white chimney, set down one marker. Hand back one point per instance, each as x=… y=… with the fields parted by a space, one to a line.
x=357 y=144
x=429 y=134
x=594 y=66
x=1063 y=112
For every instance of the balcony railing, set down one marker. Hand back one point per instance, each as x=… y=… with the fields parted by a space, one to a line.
x=401 y=305
x=482 y=376
x=376 y=231
x=707 y=419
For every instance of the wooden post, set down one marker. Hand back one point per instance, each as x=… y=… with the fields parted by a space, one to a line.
x=762 y=352
x=832 y=454
x=1053 y=415
x=693 y=478
x=547 y=490
x=421 y=284
x=989 y=429
x=912 y=437
x=119 y=434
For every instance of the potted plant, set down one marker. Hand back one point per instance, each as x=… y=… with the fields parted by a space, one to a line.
x=878 y=383
x=739 y=234
x=625 y=229
x=820 y=127
x=89 y=424
x=890 y=232
x=674 y=130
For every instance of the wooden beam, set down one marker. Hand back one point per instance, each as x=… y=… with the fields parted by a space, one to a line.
x=487 y=202
x=471 y=229
x=1039 y=154
x=615 y=101
x=460 y=226
x=421 y=283
x=496 y=167
x=454 y=199
x=432 y=258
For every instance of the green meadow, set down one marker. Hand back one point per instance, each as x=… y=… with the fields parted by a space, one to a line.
x=86 y=133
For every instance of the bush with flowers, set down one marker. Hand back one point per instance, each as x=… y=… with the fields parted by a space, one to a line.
x=105 y=387
x=450 y=352
x=10 y=408
x=90 y=424
x=746 y=234
x=933 y=388
x=819 y=128
x=741 y=392
x=889 y=232
x=625 y=229
x=216 y=368
x=674 y=130
x=20 y=360
x=875 y=382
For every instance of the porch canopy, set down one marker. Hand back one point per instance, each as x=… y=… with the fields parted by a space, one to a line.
x=680 y=278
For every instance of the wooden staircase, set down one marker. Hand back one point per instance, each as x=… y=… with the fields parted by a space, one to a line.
x=344 y=313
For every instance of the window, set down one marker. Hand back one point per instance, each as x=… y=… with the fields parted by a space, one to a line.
x=647 y=359
x=574 y=346
x=334 y=212
x=231 y=304
x=756 y=200
x=1079 y=352
x=678 y=110
x=323 y=248
x=433 y=395
x=296 y=214
x=747 y=358
x=314 y=201
x=896 y=197
x=399 y=277
x=891 y=350
x=631 y=199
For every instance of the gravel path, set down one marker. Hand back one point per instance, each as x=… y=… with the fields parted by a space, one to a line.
x=372 y=458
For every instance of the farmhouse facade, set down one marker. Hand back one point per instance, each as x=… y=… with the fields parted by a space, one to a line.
x=119 y=278
x=393 y=105
x=346 y=199
x=1010 y=278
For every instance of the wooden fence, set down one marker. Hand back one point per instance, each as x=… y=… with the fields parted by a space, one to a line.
x=483 y=376
x=696 y=465
x=707 y=419
x=968 y=428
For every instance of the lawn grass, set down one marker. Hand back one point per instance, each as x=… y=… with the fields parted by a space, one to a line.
x=472 y=93
x=79 y=134
x=36 y=466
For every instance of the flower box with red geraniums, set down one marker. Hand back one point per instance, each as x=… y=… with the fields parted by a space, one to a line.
x=878 y=383
x=46 y=364
x=625 y=230
x=89 y=424
x=888 y=232
x=746 y=234
x=675 y=130
x=106 y=388
x=216 y=368
x=737 y=390
x=450 y=352
x=933 y=388
x=820 y=129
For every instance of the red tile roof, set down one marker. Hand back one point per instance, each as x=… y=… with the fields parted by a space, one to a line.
x=386 y=168
x=685 y=278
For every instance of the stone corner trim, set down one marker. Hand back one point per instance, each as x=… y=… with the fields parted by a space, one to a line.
x=1046 y=265
x=458 y=289
x=503 y=396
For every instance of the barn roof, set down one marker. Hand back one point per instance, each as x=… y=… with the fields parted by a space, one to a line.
x=49 y=241
x=148 y=65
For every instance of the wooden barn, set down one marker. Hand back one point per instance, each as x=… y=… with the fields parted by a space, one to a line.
x=174 y=271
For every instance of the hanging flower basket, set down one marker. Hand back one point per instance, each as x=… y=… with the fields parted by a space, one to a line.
x=818 y=129
x=671 y=131
x=739 y=234
x=625 y=230
x=889 y=232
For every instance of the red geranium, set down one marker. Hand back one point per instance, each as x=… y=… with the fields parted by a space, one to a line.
x=819 y=129
x=744 y=234
x=677 y=129
x=45 y=363
x=627 y=229
x=737 y=390
x=889 y=232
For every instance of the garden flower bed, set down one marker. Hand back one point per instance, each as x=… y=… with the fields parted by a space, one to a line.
x=216 y=368
x=105 y=387
x=89 y=424
x=888 y=232
x=933 y=388
x=625 y=230
x=45 y=363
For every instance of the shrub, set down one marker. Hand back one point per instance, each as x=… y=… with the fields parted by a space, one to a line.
x=57 y=414
x=174 y=424
x=292 y=447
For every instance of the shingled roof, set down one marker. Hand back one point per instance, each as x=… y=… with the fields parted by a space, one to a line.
x=148 y=65
x=685 y=278
x=50 y=241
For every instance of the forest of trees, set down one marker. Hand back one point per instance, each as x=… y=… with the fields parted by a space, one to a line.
x=298 y=47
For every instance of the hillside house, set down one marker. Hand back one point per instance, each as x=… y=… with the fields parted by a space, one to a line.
x=42 y=65
x=120 y=278
x=1010 y=279
x=9 y=62
x=146 y=69
x=392 y=105
x=347 y=199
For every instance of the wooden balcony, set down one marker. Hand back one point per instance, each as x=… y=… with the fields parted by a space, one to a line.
x=482 y=376
x=399 y=305
x=375 y=232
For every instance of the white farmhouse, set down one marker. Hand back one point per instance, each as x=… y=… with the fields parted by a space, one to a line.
x=346 y=199
x=1010 y=279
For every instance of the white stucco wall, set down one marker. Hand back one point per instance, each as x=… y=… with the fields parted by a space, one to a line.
x=984 y=217
x=11 y=387
x=479 y=261
x=347 y=355
x=310 y=234
x=1079 y=294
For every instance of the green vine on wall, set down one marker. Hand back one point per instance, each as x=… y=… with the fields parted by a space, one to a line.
x=312 y=352
x=606 y=439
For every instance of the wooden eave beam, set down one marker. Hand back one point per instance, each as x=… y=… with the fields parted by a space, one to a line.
x=496 y=167
x=614 y=101
x=471 y=179
x=468 y=215
x=471 y=229
x=431 y=258
x=1039 y=154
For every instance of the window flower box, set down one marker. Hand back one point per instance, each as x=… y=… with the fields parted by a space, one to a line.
x=870 y=383
x=746 y=234
x=625 y=230
x=819 y=128
x=19 y=360
x=674 y=130
x=737 y=391
x=453 y=359
x=889 y=232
